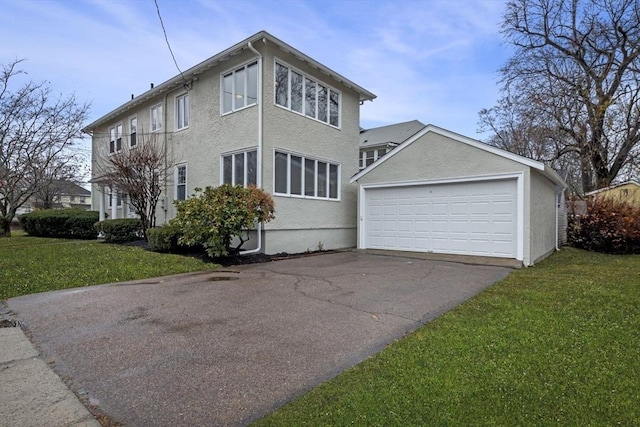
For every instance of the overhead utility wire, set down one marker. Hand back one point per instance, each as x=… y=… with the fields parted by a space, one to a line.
x=169 y=45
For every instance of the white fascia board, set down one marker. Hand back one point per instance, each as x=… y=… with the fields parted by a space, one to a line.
x=456 y=137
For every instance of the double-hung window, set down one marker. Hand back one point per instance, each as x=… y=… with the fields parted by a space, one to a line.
x=181 y=182
x=305 y=95
x=133 y=131
x=240 y=168
x=239 y=88
x=182 y=111
x=156 y=118
x=115 y=139
x=298 y=175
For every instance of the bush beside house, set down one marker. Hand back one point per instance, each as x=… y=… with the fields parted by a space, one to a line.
x=120 y=230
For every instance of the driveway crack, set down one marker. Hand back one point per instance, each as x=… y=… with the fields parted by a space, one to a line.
x=300 y=277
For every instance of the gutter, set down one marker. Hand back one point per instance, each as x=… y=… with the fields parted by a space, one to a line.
x=258 y=248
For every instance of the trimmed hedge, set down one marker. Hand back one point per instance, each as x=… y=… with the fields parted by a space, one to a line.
x=120 y=230
x=164 y=238
x=608 y=225
x=60 y=223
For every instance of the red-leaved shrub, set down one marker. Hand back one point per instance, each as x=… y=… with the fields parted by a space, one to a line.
x=604 y=225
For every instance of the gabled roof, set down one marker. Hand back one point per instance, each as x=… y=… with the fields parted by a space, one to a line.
x=546 y=170
x=611 y=187
x=194 y=71
x=69 y=188
x=392 y=134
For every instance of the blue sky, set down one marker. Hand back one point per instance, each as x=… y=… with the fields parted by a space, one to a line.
x=431 y=60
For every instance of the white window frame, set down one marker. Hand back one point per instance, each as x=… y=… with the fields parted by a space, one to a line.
x=115 y=138
x=376 y=156
x=177 y=181
x=232 y=72
x=316 y=160
x=182 y=112
x=245 y=177
x=318 y=84
x=133 y=135
x=156 y=126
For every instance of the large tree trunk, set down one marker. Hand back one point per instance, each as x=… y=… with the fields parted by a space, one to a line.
x=5 y=226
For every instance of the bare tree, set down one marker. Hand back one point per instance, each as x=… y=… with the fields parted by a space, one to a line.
x=37 y=133
x=55 y=183
x=140 y=173
x=575 y=75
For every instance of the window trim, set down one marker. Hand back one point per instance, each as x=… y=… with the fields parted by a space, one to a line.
x=233 y=165
x=133 y=145
x=113 y=143
x=316 y=160
x=232 y=71
x=376 y=155
x=185 y=96
x=177 y=183
x=160 y=118
x=318 y=84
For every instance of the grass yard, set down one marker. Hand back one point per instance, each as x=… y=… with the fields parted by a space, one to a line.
x=555 y=344
x=34 y=264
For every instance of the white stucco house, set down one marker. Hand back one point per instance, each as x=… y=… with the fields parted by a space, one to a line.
x=263 y=113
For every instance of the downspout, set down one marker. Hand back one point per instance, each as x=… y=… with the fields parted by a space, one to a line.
x=557 y=214
x=259 y=150
x=165 y=199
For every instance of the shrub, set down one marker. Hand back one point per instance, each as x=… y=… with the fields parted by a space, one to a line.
x=606 y=225
x=120 y=230
x=215 y=216
x=164 y=238
x=60 y=223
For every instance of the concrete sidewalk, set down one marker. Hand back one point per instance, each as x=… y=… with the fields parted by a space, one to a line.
x=31 y=394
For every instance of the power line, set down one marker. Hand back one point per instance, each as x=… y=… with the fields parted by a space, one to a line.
x=167 y=40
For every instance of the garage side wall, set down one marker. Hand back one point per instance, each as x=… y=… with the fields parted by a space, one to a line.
x=543 y=217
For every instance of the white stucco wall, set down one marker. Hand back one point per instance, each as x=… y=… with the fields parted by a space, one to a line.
x=300 y=223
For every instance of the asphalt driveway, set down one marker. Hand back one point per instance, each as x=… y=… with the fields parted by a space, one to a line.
x=228 y=347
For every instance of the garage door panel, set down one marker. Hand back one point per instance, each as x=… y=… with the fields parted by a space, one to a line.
x=477 y=218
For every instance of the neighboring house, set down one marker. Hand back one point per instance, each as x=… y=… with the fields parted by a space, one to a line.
x=376 y=142
x=628 y=191
x=71 y=195
x=263 y=113
x=63 y=194
x=443 y=192
x=259 y=113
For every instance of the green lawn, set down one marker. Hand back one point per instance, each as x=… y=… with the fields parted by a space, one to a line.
x=33 y=264
x=555 y=344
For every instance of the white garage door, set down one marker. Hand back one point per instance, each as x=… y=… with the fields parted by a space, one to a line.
x=470 y=218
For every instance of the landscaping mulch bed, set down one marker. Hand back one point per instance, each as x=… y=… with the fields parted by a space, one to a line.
x=234 y=259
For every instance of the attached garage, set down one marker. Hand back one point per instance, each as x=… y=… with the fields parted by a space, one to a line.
x=444 y=193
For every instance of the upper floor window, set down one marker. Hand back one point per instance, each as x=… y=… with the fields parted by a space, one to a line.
x=156 y=118
x=369 y=156
x=240 y=168
x=181 y=182
x=296 y=175
x=182 y=111
x=239 y=88
x=133 y=131
x=304 y=95
x=115 y=139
